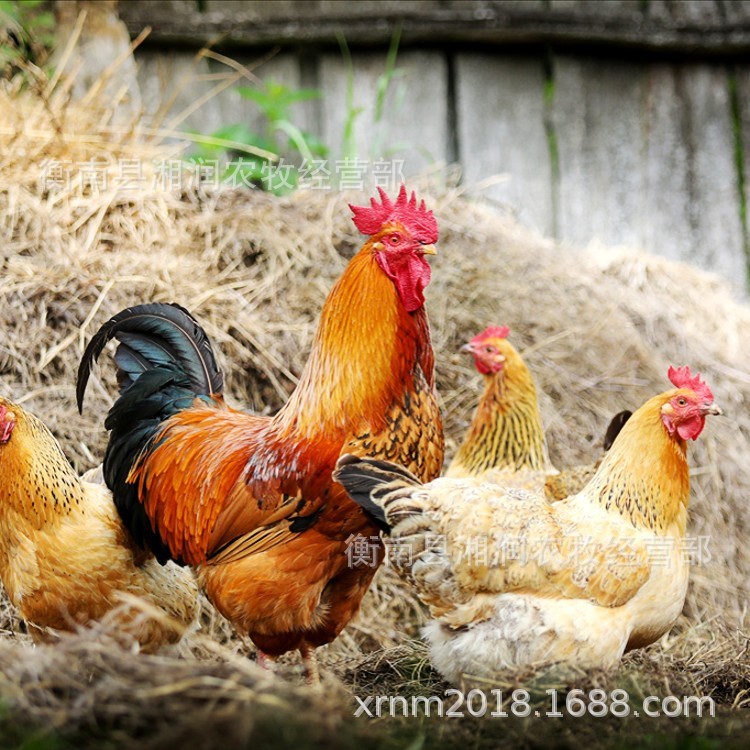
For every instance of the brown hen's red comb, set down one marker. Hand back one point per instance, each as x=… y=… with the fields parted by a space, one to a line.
x=491 y=332
x=414 y=216
x=681 y=377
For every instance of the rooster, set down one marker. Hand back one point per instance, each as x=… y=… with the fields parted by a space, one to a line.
x=506 y=437
x=249 y=500
x=514 y=581
x=65 y=557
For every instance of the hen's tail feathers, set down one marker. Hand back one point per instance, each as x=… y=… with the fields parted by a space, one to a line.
x=374 y=485
x=151 y=336
x=617 y=423
x=164 y=362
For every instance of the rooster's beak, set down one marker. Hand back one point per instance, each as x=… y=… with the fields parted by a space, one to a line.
x=428 y=250
x=711 y=409
x=468 y=348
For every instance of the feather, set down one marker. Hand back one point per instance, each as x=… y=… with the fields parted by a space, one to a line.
x=130 y=365
x=164 y=361
x=617 y=423
x=366 y=480
x=159 y=333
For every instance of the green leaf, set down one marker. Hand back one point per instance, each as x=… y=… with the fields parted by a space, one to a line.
x=384 y=80
x=301 y=95
x=315 y=145
x=45 y=20
x=239 y=132
x=255 y=95
x=296 y=137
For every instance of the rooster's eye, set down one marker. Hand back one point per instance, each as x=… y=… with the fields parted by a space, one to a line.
x=681 y=402
x=489 y=349
x=394 y=239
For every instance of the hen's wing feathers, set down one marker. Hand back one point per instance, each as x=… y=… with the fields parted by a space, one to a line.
x=492 y=542
x=466 y=538
x=513 y=540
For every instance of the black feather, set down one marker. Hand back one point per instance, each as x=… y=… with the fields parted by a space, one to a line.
x=164 y=362
x=134 y=421
x=130 y=365
x=363 y=477
x=159 y=333
x=617 y=423
x=303 y=523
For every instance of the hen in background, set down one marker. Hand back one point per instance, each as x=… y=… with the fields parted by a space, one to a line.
x=506 y=436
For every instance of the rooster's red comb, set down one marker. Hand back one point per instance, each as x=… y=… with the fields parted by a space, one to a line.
x=682 y=378
x=492 y=332
x=414 y=216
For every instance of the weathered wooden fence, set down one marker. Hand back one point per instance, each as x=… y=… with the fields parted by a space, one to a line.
x=626 y=121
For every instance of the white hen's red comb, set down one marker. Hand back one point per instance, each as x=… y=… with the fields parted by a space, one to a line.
x=681 y=377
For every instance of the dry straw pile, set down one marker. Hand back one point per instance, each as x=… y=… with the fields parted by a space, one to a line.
x=599 y=330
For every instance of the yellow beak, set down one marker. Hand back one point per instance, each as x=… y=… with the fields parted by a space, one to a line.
x=428 y=250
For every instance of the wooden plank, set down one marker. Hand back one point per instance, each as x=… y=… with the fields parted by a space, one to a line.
x=665 y=214
x=171 y=83
x=179 y=78
x=290 y=9
x=596 y=120
x=709 y=14
x=692 y=187
x=597 y=9
x=283 y=69
x=688 y=26
x=500 y=112
x=414 y=126
x=743 y=106
x=647 y=159
x=713 y=188
x=262 y=9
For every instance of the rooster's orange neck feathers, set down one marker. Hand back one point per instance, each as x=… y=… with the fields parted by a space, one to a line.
x=363 y=357
x=645 y=473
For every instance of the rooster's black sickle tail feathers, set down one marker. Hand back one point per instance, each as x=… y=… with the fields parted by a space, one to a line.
x=149 y=336
x=164 y=362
